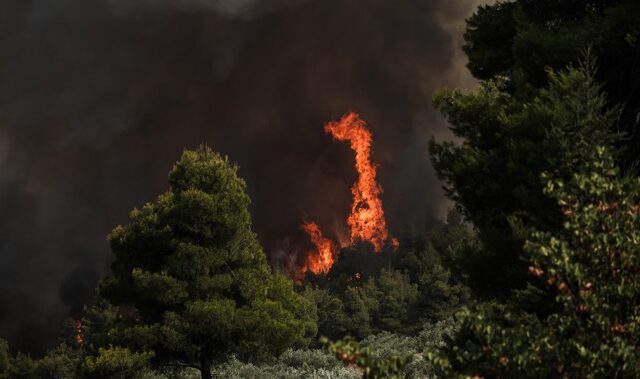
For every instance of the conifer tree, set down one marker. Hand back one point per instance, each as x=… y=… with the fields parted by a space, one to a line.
x=190 y=279
x=494 y=173
x=578 y=315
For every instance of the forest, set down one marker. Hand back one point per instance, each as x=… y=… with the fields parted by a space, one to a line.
x=534 y=272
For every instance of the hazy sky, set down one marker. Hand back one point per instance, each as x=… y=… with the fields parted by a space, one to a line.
x=99 y=98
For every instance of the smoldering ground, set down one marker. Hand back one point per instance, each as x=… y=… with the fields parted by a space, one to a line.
x=99 y=98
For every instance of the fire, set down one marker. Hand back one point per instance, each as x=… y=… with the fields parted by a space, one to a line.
x=395 y=243
x=366 y=220
x=320 y=260
x=79 y=335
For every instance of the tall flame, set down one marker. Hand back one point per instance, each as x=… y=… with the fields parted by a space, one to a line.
x=366 y=220
x=320 y=260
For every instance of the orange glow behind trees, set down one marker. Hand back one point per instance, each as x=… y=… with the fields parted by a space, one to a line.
x=79 y=334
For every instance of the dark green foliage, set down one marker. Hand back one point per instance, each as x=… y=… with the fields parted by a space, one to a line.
x=60 y=363
x=573 y=229
x=97 y=321
x=391 y=299
x=452 y=240
x=489 y=37
x=395 y=291
x=575 y=318
x=494 y=174
x=439 y=294
x=358 y=318
x=590 y=270
x=23 y=367
x=330 y=311
x=522 y=39
x=191 y=281
x=563 y=11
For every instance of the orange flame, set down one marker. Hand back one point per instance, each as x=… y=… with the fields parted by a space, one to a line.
x=320 y=260
x=366 y=220
x=79 y=334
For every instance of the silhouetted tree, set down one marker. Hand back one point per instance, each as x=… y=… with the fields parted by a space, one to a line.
x=522 y=39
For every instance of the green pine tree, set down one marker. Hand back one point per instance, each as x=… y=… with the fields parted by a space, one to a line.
x=521 y=39
x=577 y=316
x=390 y=300
x=330 y=311
x=358 y=322
x=191 y=281
x=494 y=174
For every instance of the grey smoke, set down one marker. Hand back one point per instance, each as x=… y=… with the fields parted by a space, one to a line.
x=98 y=99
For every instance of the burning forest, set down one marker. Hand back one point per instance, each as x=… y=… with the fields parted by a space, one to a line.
x=97 y=101
x=366 y=221
x=319 y=188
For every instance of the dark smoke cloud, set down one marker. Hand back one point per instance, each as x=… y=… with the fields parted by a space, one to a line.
x=247 y=9
x=99 y=98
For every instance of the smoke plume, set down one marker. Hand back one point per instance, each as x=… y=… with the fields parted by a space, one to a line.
x=99 y=98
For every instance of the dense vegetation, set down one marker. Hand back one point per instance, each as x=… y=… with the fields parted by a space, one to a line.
x=509 y=125
x=195 y=278
x=191 y=294
x=533 y=274
x=547 y=175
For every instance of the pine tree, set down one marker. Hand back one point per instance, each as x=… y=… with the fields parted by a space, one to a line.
x=494 y=174
x=190 y=279
x=330 y=312
x=358 y=322
x=390 y=299
x=577 y=317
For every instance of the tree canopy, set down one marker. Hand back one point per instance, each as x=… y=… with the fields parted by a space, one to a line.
x=575 y=316
x=191 y=281
x=494 y=174
x=589 y=268
x=522 y=39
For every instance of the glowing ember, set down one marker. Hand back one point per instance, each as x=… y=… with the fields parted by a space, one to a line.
x=79 y=336
x=395 y=243
x=320 y=260
x=366 y=220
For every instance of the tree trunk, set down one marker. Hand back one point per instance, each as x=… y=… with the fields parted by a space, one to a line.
x=205 y=368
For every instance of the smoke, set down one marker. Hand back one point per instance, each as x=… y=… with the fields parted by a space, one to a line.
x=98 y=99
x=247 y=9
